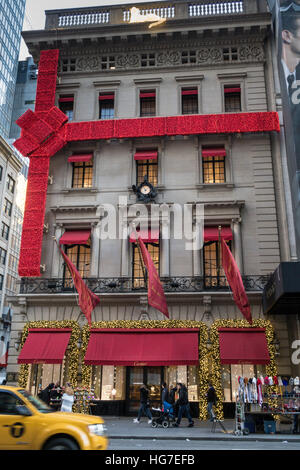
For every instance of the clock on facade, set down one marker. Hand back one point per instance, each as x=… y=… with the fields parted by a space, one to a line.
x=145 y=191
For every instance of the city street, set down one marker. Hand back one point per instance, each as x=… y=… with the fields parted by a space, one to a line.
x=188 y=445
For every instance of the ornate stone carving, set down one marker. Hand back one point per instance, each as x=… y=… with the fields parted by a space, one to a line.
x=206 y=55
x=251 y=53
x=169 y=58
x=86 y=64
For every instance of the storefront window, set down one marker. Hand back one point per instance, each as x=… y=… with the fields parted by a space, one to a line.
x=105 y=379
x=231 y=373
x=192 y=382
x=41 y=375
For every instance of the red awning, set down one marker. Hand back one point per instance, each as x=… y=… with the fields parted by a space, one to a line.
x=147 y=94
x=110 y=96
x=189 y=92
x=75 y=237
x=45 y=346
x=232 y=90
x=143 y=347
x=148 y=236
x=243 y=346
x=144 y=155
x=66 y=99
x=86 y=157
x=211 y=234
x=214 y=152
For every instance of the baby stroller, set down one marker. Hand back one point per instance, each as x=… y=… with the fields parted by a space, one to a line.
x=165 y=417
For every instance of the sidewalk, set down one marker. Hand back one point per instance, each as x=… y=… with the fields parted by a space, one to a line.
x=125 y=428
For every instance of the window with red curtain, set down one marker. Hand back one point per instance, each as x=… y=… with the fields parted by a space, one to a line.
x=66 y=105
x=147 y=103
x=232 y=98
x=213 y=165
x=189 y=100
x=146 y=166
x=106 y=105
x=214 y=275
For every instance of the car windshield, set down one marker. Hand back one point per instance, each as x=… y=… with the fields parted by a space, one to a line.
x=36 y=402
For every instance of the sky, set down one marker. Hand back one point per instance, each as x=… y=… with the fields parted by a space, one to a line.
x=35 y=13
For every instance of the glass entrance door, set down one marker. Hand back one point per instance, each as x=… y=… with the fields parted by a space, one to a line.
x=152 y=377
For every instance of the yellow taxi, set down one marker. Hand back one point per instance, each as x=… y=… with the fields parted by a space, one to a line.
x=28 y=423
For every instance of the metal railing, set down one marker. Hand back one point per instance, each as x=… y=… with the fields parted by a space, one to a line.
x=120 y=285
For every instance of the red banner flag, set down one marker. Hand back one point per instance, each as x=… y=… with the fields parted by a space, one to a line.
x=235 y=281
x=87 y=299
x=156 y=294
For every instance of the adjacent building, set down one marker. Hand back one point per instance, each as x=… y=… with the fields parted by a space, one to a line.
x=12 y=184
x=11 y=23
x=24 y=97
x=182 y=114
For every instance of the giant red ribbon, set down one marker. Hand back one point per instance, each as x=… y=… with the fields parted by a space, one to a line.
x=46 y=131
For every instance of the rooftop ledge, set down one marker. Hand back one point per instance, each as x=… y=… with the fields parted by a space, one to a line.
x=168 y=11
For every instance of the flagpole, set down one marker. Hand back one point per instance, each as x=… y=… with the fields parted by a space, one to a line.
x=219 y=251
x=140 y=254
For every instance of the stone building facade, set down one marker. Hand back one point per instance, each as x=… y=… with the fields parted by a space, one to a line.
x=207 y=58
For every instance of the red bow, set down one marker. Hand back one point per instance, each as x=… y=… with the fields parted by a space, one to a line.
x=43 y=132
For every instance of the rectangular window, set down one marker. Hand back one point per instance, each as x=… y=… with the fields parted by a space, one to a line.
x=148 y=60
x=3 y=254
x=11 y=184
x=214 y=275
x=1 y=172
x=106 y=106
x=139 y=274
x=148 y=168
x=108 y=62
x=1 y=281
x=5 y=231
x=213 y=164
x=82 y=174
x=80 y=255
x=68 y=65
x=66 y=105
x=7 y=207
x=232 y=98
x=230 y=54
x=189 y=100
x=188 y=57
x=147 y=103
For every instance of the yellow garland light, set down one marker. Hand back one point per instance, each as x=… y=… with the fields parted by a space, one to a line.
x=203 y=353
x=72 y=353
x=271 y=368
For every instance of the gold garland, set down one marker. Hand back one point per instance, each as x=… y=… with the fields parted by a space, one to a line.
x=73 y=353
x=203 y=359
x=271 y=368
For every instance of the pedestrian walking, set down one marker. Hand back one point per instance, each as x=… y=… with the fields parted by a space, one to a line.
x=184 y=407
x=45 y=394
x=211 y=401
x=165 y=399
x=144 y=405
x=67 y=400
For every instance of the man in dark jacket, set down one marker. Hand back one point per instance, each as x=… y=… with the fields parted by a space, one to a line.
x=144 y=405
x=184 y=407
x=211 y=401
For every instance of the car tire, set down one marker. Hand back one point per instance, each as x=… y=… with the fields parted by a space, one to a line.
x=61 y=443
